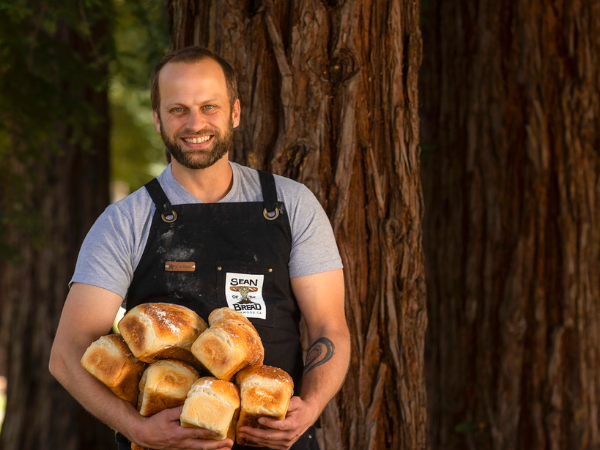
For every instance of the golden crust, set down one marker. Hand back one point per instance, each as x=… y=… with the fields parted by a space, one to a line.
x=221 y=314
x=262 y=371
x=164 y=385
x=229 y=345
x=155 y=331
x=212 y=404
x=111 y=362
x=265 y=392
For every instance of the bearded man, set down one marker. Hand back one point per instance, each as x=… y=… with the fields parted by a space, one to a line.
x=232 y=222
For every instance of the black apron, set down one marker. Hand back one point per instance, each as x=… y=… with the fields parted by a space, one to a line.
x=240 y=254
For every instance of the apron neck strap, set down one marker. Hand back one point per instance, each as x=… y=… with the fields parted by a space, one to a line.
x=160 y=199
x=269 y=190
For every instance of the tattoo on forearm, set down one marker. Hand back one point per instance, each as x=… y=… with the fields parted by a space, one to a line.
x=319 y=353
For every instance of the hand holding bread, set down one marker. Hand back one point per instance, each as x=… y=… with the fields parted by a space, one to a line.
x=176 y=342
x=265 y=392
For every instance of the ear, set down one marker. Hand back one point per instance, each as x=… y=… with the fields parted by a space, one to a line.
x=156 y=120
x=235 y=113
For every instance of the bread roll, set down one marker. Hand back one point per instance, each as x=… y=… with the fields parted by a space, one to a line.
x=212 y=404
x=265 y=391
x=220 y=314
x=164 y=385
x=111 y=362
x=230 y=344
x=156 y=331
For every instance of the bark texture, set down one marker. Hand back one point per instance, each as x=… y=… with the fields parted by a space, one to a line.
x=329 y=98
x=511 y=168
x=63 y=193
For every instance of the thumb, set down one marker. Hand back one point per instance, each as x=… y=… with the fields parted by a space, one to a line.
x=296 y=403
x=172 y=414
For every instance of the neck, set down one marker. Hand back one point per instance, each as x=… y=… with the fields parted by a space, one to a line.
x=209 y=185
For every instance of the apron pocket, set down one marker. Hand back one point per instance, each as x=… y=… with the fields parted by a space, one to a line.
x=247 y=290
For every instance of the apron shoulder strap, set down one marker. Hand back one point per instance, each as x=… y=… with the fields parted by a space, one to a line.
x=269 y=190
x=160 y=199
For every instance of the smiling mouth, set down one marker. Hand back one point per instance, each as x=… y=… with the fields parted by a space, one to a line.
x=197 y=140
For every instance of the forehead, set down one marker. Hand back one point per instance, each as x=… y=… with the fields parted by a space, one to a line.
x=180 y=80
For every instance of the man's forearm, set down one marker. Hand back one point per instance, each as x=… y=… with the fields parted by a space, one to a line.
x=93 y=395
x=325 y=368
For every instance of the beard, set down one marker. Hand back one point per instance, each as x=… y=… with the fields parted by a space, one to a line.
x=199 y=158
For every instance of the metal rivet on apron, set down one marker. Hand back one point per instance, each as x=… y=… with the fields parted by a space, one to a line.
x=219 y=268
x=270 y=270
x=173 y=217
x=310 y=436
x=271 y=215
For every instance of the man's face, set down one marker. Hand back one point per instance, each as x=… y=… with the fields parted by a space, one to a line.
x=196 y=121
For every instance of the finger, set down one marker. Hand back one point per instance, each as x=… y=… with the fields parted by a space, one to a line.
x=267 y=442
x=170 y=414
x=296 y=403
x=268 y=435
x=195 y=433
x=277 y=424
x=205 y=444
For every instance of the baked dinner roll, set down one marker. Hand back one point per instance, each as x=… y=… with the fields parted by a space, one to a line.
x=111 y=362
x=212 y=404
x=265 y=391
x=155 y=331
x=165 y=385
x=226 y=313
x=230 y=344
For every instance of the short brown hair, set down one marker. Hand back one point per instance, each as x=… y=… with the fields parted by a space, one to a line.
x=190 y=55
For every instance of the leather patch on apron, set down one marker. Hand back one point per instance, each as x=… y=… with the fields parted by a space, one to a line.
x=180 y=266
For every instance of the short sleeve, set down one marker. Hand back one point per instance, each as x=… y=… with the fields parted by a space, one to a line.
x=314 y=249
x=105 y=258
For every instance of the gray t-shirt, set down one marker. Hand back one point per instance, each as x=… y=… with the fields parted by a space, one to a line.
x=114 y=245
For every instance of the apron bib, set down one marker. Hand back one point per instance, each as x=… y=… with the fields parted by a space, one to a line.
x=212 y=255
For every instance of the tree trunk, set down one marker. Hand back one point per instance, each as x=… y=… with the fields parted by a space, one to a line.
x=53 y=188
x=329 y=98
x=511 y=131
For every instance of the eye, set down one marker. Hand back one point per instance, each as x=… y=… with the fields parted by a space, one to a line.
x=177 y=110
x=209 y=107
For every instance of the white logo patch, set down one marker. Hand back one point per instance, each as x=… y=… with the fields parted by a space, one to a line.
x=244 y=294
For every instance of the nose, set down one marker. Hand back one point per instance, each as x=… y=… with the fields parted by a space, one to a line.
x=196 y=120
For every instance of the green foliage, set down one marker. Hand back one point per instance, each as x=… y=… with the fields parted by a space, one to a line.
x=51 y=54
x=142 y=38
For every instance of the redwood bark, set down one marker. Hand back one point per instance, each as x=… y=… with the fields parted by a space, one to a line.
x=511 y=126
x=64 y=194
x=329 y=98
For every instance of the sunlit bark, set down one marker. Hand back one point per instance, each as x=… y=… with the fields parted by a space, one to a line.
x=329 y=97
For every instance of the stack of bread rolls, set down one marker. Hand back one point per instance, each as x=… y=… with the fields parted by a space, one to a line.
x=154 y=364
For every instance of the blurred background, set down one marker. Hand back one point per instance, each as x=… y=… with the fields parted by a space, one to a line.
x=454 y=145
x=126 y=39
